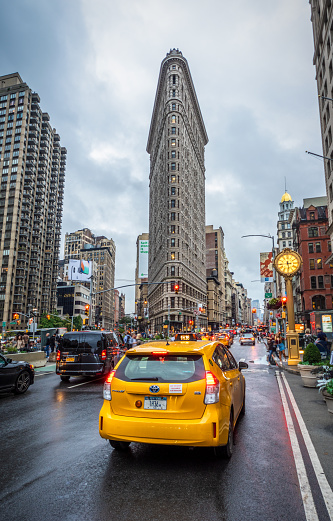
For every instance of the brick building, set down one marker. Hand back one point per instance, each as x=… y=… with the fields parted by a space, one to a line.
x=313 y=285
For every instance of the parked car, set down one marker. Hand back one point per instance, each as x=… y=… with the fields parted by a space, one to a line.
x=87 y=353
x=188 y=392
x=15 y=376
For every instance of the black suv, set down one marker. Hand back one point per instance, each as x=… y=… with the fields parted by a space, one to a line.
x=87 y=353
x=15 y=375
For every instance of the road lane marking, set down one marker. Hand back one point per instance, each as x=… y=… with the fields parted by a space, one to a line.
x=305 y=489
x=84 y=383
x=45 y=372
x=318 y=469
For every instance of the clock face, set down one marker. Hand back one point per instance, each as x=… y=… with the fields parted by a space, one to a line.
x=288 y=263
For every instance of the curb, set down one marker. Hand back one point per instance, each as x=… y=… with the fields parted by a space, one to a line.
x=289 y=368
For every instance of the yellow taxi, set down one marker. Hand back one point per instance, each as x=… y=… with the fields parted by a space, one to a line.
x=188 y=392
x=225 y=339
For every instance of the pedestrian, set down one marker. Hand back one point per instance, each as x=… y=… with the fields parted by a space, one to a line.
x=52 y=343
x=322 y=343
x=47 y=346
x=280 y=346
x=20 y=343
x=271 y=347
x=26 y=341
x=134 y=340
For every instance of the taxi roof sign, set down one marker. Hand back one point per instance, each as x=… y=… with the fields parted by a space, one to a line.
x=185 y=337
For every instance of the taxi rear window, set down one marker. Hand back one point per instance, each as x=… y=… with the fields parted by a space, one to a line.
x=165 y=368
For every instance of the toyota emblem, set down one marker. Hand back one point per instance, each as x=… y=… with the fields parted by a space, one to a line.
x=154 y=388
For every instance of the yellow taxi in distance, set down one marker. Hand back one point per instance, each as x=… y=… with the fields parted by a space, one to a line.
x=225 y=339
x=188 y=392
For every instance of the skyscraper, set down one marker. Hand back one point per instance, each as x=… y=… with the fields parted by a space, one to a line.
x=32 y=169
x=176 y=145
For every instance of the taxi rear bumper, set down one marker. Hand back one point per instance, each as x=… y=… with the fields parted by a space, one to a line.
x=209 y=431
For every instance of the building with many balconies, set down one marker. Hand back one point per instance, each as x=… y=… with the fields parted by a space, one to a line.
x=32 y=169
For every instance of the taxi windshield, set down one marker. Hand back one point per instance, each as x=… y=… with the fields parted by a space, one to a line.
x=161 y=368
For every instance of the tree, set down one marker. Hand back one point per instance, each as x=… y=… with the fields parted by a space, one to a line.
x=78 y=322
x=54 y=321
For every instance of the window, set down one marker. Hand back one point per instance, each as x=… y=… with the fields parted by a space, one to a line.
x=318 y=302
x=320 y=282
x=173 y=179
x=319 y=264
x=312 y=264
x=173 y=203
x=313 y=282
x=173 y=154
x=318 y=247
x=313 y=231
x=173 y=118
x=173 y=190
x=312 y=216
x=282 y=226
x=173 y=166
x=329 y=246
x=172 y=270
x=310 y=246
x=173 y=142
x=173 y=130
x=284 y=244
x=289 y=243
x=173 y=106
x=173 y=229
x=283 y=235
x=173 y=216
x=173 y=93
x=173 y=243
x=173 y=255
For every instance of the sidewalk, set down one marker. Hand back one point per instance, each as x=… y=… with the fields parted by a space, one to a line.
x=284 y=365
x=50 y=366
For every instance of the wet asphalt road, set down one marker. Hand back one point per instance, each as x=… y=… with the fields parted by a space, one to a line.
x=54 y=465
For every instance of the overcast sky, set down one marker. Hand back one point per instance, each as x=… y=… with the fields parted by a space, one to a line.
x=95 y=65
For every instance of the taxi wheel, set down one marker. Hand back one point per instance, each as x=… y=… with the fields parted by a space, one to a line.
x=64 y=378
x=120 y=445
x=226 y=450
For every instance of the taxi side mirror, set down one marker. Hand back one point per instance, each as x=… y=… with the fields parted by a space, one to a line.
x=242 y=365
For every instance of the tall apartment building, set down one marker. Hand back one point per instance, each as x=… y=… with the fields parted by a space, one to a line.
x=176 y=145
x=322 y=25
x=83 y=244
x=215 y=266
x=32 y=168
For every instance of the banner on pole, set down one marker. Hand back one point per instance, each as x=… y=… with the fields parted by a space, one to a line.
x=266 y=266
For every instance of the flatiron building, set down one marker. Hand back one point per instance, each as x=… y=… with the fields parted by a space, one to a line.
x=176 y=145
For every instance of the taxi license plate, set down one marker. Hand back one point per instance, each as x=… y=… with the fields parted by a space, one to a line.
x=70 y=359
x=155 y=402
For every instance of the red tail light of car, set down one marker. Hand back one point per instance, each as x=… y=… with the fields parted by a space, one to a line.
x=212 y=394
x=107 y=386
x=58 y=356
x=103 y=355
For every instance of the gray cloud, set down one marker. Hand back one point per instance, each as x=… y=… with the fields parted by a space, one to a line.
x=96 y=65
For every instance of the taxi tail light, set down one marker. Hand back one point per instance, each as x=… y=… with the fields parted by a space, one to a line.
x=252 y=339
x=107 y=386
x=159 y=353
x=212 y=394
x=58 y=356
x=103 y=355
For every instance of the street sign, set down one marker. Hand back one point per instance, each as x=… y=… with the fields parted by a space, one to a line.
x=268 y=295
x=3 y=324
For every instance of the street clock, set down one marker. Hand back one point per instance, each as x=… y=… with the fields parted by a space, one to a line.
x=288 y=262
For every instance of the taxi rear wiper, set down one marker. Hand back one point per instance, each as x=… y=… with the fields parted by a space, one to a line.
x=153 y=378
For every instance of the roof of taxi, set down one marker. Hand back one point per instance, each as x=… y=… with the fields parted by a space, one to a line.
x=189 y=347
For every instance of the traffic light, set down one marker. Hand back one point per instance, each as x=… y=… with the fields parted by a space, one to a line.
x=48 y=317
x=16 y=316
x=254 y=310
x=284 y=302
x=176 y=288
x=86 y=309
